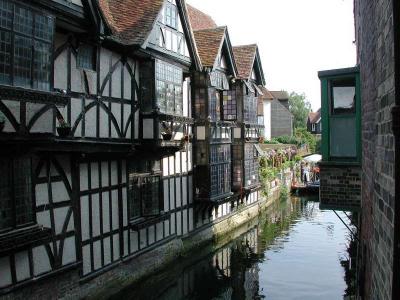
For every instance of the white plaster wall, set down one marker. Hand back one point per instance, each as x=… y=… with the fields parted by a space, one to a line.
x=267 y=120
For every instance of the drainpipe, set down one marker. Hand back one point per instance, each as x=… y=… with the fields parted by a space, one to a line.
x=396 y=133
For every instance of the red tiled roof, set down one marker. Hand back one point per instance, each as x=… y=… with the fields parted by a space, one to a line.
x=208 y=43
x=199 y=20
x=281 y=95
x=266 y=94
x=244 y=57
x=313 y=117
x=131 y=21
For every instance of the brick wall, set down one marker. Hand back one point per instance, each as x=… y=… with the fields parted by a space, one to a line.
x=340 y=186
x=374 y=36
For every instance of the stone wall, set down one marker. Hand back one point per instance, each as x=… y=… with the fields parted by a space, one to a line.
x=340 y=187
x=375 y=50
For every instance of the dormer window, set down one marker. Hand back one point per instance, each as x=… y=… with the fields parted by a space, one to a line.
x=26 y=39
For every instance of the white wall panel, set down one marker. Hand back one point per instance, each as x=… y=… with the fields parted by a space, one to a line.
x=97 y=255
x=59 y=192
x=41 y=194
x=5 y=271
x=41 y=262
x=114 y=203
x=43 y=218
x=107 y=251
x=95 y=215
x=159 y=231
x=22 y=265
x=151 y=230
x=85 y=221
x=106 y=212
x=59 y=218
x=116 y=246
x=116 y=82
x=69 y=255
x=94 y=172
x=86 y=259
x=60 y=65
x=134 y=241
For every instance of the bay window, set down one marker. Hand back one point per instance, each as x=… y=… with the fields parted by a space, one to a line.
x=169 y=92
x=220 y=161
x=26 y=39
x=250 y=165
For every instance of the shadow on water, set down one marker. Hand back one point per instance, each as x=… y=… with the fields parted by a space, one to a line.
x=258 y=264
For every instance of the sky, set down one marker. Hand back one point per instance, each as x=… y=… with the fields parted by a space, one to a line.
x=296 y=38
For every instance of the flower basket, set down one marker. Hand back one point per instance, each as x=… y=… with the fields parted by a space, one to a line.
x=64 y=131
x=166 y=136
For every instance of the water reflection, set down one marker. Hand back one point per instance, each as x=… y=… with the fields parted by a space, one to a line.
x=292 y=253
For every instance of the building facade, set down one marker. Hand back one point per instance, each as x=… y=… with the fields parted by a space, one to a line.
x=118 y=138
x=314 y=122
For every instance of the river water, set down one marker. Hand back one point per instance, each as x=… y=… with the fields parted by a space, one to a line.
x=293 y=251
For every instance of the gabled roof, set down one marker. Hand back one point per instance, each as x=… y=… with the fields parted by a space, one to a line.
x=314 y=117
x=210 y=43
x=199 y=20
x=247 y=57
x=280 y=95
x=244 y=57
x=266 y=94
x=131 y=21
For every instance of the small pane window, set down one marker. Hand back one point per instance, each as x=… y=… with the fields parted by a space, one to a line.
x=171 y=15
x=343 y=96
x=22 y=61
x=5 y=57
x=86 y=57
x=144 y=195
x=25 y=47
x=23 y=21
x=6 y=14
x=15 y=193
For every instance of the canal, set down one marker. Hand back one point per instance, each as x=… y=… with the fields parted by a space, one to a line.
x=293 y=251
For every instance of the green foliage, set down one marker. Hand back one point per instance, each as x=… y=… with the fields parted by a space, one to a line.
x=284 y=193
x=2 y=117
x=306 y=138
x=285 y=139
x=300 y=107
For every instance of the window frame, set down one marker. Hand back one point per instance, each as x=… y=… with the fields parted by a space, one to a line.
x=13 y=33
x=12 y=187
x=166 y=78
x=94 y=58
x=174 y=12
x=141 y=177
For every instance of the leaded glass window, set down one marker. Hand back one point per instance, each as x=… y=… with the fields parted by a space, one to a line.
x=144 y=195
x=229 y=105
x=250 y=108
x=86 y=58
x=16 y=195
x=251 y=167
x=220 y=162
x=26 y=39
x=169 y=92
x=171 y=15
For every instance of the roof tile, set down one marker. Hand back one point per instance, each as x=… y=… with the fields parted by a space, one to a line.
x=244 y=57
x=208 y=43
x=199 y=20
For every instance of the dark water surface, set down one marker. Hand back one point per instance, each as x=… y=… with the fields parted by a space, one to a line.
x=292 y=252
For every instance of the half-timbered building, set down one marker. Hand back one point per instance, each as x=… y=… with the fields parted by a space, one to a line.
x=108 y=109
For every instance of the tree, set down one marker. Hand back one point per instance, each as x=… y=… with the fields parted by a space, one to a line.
x=300 y=107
